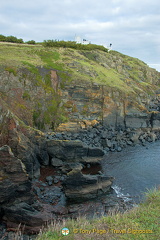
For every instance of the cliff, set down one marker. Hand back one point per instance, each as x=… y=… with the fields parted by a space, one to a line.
x=44 y=89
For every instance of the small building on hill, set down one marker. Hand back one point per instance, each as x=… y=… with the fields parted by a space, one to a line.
x=78 y=39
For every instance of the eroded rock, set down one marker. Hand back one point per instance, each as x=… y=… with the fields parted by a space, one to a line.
x=79 y=187
x=13 y=178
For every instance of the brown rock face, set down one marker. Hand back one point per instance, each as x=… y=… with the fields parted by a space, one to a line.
x=14 y=180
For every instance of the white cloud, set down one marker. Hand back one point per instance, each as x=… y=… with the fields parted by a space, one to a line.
x=131 y=25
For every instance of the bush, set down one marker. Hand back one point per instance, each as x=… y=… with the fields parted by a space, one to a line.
x=10 y=39
x=72 y=44
x=2 y=38
x=31 y=42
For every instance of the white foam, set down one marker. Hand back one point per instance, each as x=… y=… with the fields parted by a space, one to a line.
x=118 y=191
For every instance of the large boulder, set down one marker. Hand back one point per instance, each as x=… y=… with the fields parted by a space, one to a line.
x=71 y=150
x=67 y=150
x=95 y=152
x=80 y=187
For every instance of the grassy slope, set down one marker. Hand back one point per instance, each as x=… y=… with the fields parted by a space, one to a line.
x=95 y=66
x=130 y=77
x=140 y=223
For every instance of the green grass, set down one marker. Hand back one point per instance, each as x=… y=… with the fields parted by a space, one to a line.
x=113 y=69
x=15 y=54
x=140 y=223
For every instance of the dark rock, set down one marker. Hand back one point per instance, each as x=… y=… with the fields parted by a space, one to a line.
x=53 y=195
x=44 y=184
x=58 y=135
x=130 y=143
x=37 y=191
x=108 y=143
x=14 y=179
x=95 y=152
x=79 y=187
x=56 y=179
x=26 y=215
x=119 y=149
x=67 y=150
x=43 y=156
x=96 y=140
x=106 y=150
x=104 y=134
x=56 y=162
x=91 y=135
x=62 y=178
x=113 y=149
x=49 y=180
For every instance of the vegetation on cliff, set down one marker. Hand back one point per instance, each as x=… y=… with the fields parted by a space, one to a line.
x=86 y=63
x=141 y=223
x=42 y=72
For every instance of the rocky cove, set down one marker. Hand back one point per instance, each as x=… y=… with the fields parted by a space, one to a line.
x=63 y=113
x=68 y=178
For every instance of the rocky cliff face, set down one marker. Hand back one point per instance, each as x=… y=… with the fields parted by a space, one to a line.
x=67 y=90
x=107 y=87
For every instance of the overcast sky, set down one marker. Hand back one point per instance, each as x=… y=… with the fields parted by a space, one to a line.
x=132 y=26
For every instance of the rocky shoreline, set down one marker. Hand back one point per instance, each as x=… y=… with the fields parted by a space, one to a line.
x=66 y=178
x=108 y=138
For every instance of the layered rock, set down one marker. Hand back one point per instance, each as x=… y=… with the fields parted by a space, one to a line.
x=71 y=150
x=14 y=180
x=79 y=187
x=38 y=97
x=31 y=218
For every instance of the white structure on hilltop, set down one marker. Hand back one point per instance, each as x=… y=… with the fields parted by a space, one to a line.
x=110 y=47
x=78 y=39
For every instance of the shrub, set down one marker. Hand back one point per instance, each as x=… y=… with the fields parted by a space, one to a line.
x=31 y=42
x=2 y=38
x=10 y=39
x=72 y=44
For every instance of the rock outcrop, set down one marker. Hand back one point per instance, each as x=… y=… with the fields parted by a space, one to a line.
x=71 y=150
x=14 y=180
x=79 y=187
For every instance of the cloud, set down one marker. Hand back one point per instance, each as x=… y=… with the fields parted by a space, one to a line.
x=132 y=26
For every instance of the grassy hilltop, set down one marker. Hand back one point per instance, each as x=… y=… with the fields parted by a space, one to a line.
x=86 y=63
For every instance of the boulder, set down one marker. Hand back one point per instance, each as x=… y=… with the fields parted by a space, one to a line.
x=43 y=157
x=56 y=162
x=49 y=180
x=95 y=152
x=79 y=187
x=67 y=149
x=68 y=167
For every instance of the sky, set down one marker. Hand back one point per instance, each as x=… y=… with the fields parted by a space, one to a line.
x=132 y=26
